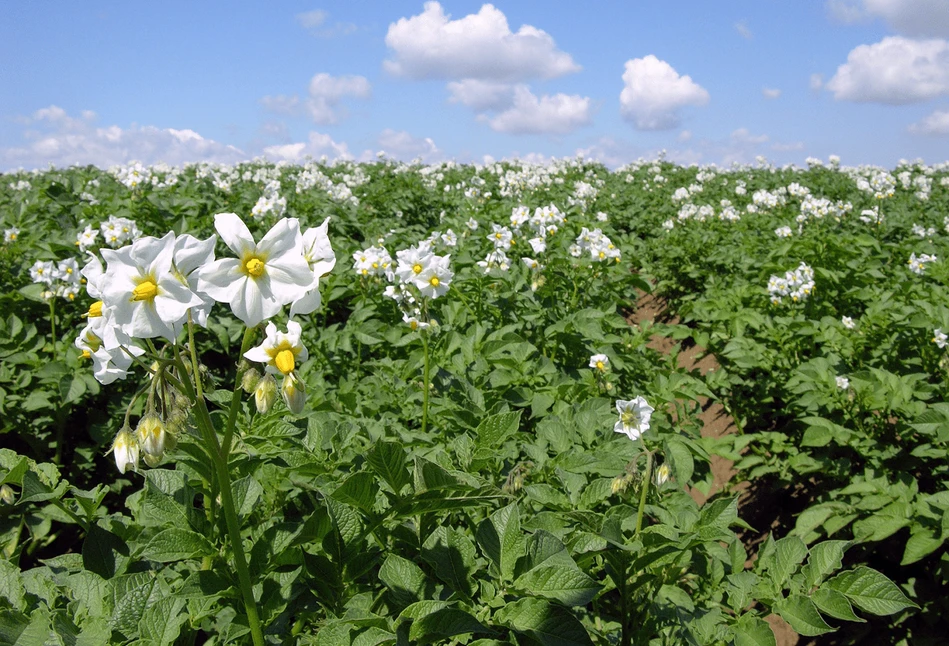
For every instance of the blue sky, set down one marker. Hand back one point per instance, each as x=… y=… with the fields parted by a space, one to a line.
x=107 y=83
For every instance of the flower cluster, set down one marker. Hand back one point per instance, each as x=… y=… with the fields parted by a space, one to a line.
x=270 y=202
x=917 y=264
x=115 y=231
x=597 y=244
x=797 y=285
x=62 y=278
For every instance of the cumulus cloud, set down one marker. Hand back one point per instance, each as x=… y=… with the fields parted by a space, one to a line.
x=895 y=71
x=315 y=23
x=327 y=91
x=318 y=144
x=654 y=92
x=685 y=135
x=744 y=136
x=548 y=114
x=323 y=103
x=742 y=28
x=402 y=145
x=771 y=93
x=935 y=124
x=281 y=104
x=478 y=46
x=787 y=147
x=54 y=137
x=920 y=18
x=816 y=82
x=481 y=95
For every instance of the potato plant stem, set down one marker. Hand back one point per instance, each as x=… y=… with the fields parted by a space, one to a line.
x=644 y=491
x=223 y=476
x=236 y=395
x=425 y=387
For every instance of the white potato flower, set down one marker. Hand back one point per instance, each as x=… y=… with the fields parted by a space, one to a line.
x=264 y=277
x=319 y=255
x=940 y=338
x=280 y=351
x=634 y=416
x=600 y=362
x=146 y=298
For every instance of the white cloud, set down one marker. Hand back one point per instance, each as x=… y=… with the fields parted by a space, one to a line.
x=787 y=147
x=816 y=82
x=742 y=28
x=478 y=46
x=481 y=95
x=556 y=114
x=771 y=93
x=744 y=136
x=312 y=19
x=402 y=145
x=654 y=92
x=326 y=92
x=895 y=71
x=315 y=23
x=935 y=124
x=317 y=145
x=685 y=135
x=920 y=18
x=281 y=104
x=55 y=137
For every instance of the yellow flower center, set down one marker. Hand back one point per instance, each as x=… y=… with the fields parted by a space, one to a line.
x=600 y=366
x=95 y=309
x=498 y=236
x=86 y=354
x=417 y=268
x=629 y=418
x=413 y=324
x=285 y=361
x=254 y=267
x=145 y=291
x=434 y=281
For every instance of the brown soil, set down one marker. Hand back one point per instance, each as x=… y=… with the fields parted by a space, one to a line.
x=715 y=421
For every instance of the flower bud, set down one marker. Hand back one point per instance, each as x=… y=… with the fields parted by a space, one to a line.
x=152 y=435
x=294 y=393
x=250 y=380
x=265 y=394
x=662 y=474
x=125 y=449
x=6 y=494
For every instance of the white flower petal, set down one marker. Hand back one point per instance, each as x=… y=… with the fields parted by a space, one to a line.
x=234 y=232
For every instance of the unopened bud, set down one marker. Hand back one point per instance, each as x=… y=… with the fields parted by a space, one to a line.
x=294 y=393
x=265 y=394
x=621 y=483
x=662 y=474
x=6 y=494
x=249 y=380
x=152 y=435
x=125 y=449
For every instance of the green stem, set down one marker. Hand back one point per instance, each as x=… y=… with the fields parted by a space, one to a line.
x=235 y=406
x=425 y=387
x=642 y=495
x=219 y=458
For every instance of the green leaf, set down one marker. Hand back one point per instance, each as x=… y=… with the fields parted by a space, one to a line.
x=493 y=430
x=753 y=631
x=161 y=622
x=825 y=558
x=921 y=544
x=452 y=554
x=11 y=588
x=549 y=624
x=500 y=538
x=834 y=604
x=131 y=594
x=387 y=459
x=568 y=585
x=246 y=492
x=444 y=623
x=870 y=591
x=358 y=490
x=102 y=551
x=789 y=554
x=802 y=614
x=175 y=544
x=680 y=456
x=405 y=579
